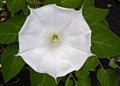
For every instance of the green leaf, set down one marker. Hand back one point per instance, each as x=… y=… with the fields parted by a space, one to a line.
x=1 y=4
x=15 y=5
x=94 y=15
x=112 y=63
x=104 y=42
x=26 y=11
x=105 y=23
x=83 y=73
x=88 y=3
x=50 y=2
x=107 y=77
x=71 y=3
x=7 y=34
x=89 y=65
x=11 y=65
x=69 y=82
x=38 y=79
x=9 y=30
x=17 y=20
x=84 y=81
x=35 y=3
x=66 y=3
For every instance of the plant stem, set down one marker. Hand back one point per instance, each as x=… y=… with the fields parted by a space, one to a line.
x=100 y=64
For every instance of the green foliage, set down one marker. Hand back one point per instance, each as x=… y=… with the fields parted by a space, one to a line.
x=104 y=23
x=66 y=3
x=1 y=4
x=89 y=65
x=83 y=73
x=104 y=42
x=9 y=30
x=88 y=3
x=83 y=81
x=94 y=15
x=35 y=3
x=38 y=79
x=26 y=11
x=7 y=34
x=69 y=82
x=50 y=2
x=15 y=5
x=11 y=65
x=107 y=77
x=71 y=3
x=112 y=63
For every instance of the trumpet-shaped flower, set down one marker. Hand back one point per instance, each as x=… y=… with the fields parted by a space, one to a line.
x=55 y=40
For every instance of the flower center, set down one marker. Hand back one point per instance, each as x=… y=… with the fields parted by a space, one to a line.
x=55 y=38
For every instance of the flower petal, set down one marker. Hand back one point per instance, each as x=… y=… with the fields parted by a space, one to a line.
x=78 y=33
x=30 y=27
x=74 y=40
x=81 y=42
x=57 y=62
x=70 y=55
x=56 y=17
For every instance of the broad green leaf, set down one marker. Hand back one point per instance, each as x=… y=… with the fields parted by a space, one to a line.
x=88 y=3
x=1 y=4
x=84 y=81
x=104 y=42
x=9 y=30
x=17 y=20
x=66 y=3
x=89 y=65
x=35 y=3
x=107 y=77
x=61 y=80
x=71 y=3
x=105 y=23
x=50 y=2
x=8 y=33
x=94 y=15
x=69 y=82
x=83 y=73
x=15 y=5
x=38 y=79
x=26 y=11
x=11 y=65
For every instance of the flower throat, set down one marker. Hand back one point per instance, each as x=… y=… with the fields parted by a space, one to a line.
x=55 y=38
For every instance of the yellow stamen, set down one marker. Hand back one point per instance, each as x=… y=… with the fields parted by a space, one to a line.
x=55 y=37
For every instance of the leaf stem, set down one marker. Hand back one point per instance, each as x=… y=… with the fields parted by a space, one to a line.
x=71 y=76
x=100 y=64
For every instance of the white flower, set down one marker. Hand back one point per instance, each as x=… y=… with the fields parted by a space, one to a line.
x=55 y=40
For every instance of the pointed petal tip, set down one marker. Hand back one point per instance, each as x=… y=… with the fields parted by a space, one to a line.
x=30 y=8
x=94 y=55
x=17 y=54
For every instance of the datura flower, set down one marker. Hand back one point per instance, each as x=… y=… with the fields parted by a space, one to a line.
x=55 y=40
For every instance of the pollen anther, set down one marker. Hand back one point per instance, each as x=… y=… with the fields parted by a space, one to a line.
x=55 y=38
